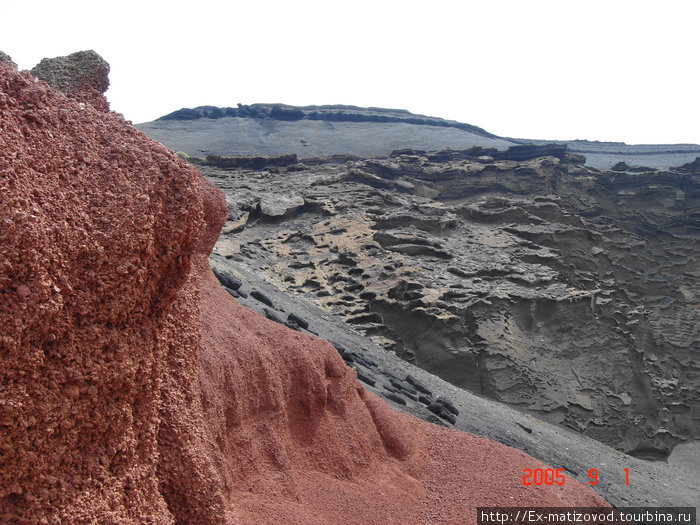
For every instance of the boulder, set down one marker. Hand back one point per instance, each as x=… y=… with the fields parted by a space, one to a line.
x=227 y=280
x=294 y=318
x=366 y=378
x=395 y=398
x=255 y=294
x=448 y=405
x=418 y=385
x=83 y=75
x=272 y=316
x=276 y=206
x=4 y=57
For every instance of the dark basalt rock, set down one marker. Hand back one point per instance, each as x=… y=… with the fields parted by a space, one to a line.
x=234 y=293
x=532 y=151
x=426 y=400
x=620 y=166
x=440 y=410
x=526 y=429
x=448 y=417
x=448 y=405
x=294 y=318
x=340 y=348
x=366 y=378
x=412 y=397
x=369 y=362
x=272 y=316
x=293 y=326
x=229 y=281
x=402 y=386
x=436 y=408
x=395 y=398
x=254 y=163
x=418 y=385
x=255 y=294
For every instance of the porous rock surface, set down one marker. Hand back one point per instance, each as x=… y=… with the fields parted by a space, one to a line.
x=134 y=389
x=96 y=241
x=83 y=75
x=4 y=57
x=557 y=288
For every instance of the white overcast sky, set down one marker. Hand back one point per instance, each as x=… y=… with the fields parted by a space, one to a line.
x=600 y=70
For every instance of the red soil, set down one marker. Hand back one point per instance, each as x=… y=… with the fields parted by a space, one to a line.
x=133 y=389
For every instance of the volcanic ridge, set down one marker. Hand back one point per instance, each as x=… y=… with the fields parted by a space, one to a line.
x=313 y=131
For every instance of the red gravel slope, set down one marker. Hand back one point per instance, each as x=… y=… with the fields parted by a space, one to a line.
x=133 y=389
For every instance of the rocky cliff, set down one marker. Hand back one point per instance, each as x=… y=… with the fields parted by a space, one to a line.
x=134 y=389
x=557 y=288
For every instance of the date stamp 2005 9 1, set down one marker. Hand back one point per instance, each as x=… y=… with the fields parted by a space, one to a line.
x=551 y=476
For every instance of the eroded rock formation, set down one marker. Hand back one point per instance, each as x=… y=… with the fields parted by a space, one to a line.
x=554 y=287
x=134 y=389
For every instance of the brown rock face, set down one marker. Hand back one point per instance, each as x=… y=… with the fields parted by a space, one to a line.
x=82 y=76
x=134 y=389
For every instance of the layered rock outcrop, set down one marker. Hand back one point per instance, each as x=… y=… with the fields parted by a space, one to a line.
x=134 y=389
x=330 y=113
x=311 y=131
x=558 y=288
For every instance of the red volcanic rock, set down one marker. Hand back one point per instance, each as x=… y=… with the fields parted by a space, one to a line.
x=83 y=76
x=98 y=226
x=134 y=389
